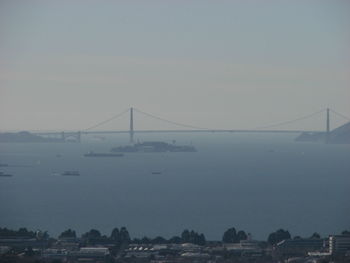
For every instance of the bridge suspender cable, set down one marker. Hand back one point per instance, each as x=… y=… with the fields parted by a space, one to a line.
x=171 y=122
x=108 y=120
x=291 y=121
x=340 y=115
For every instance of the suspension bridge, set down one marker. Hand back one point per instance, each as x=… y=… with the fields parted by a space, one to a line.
x=186 y=128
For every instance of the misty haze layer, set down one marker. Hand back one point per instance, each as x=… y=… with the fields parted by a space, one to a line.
x=229 y=64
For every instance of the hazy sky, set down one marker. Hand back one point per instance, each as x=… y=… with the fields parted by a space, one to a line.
x=224 y=64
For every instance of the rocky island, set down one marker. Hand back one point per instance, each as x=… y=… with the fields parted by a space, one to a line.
x=154 y=147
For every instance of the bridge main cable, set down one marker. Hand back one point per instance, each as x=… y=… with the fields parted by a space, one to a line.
x=290 y=121
x=105 y=121
x=172 y=122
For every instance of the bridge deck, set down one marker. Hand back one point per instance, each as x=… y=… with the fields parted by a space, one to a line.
x=176 y=131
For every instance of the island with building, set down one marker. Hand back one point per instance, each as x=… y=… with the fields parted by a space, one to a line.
x=23 y=245
x=154 y=146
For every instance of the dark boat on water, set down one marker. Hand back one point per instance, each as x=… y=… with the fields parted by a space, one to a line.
x=92 y=154
x=2 y=174
x=70 y=173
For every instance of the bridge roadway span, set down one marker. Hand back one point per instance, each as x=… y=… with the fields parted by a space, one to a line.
x=172 y=131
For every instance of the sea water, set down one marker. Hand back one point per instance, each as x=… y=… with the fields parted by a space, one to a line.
x=253 y=182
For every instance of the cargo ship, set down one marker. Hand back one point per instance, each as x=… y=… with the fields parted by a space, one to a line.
x=70 y=173
x=2 y=174
x=93 y=154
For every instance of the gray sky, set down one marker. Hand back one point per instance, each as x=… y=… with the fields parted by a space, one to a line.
x=223 y=64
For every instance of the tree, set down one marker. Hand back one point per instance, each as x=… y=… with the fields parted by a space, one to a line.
x=93 y=233
x=124 y=235
x=145 y=240
x=42 y=235
x=115 y=235
x=185 y=236
x=241 y=235
x=92 y=236
x=22 y=232
x=192 y=237
x=159 y=240
x=230 y=236
x=175 y=240
x=315 y=236
x=201 y=240
x=278 y=236
x=345 y=233
x=136 y=241
x=69 y=233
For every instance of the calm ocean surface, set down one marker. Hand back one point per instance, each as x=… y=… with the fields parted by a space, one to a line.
x=254 y=182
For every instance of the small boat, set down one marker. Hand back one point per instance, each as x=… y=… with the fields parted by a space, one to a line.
x=70 y=173
x=99 y=138
x=93 y=154
x=2 y=174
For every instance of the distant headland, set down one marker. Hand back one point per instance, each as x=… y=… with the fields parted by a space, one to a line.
x=340 y=135
x=25 y=136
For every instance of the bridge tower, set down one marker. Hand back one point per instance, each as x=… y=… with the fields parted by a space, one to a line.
x=327 y=126
x=131 y=132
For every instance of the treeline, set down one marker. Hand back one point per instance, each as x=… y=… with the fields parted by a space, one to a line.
x=22 y=232
x=232 y=236
x=122 y=236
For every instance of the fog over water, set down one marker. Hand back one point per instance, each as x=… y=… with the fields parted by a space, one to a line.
x=254 y=182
